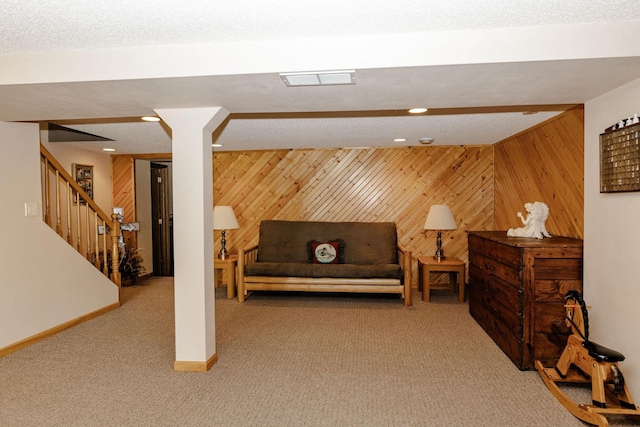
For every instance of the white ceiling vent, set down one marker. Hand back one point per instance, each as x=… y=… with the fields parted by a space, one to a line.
x=319 y=78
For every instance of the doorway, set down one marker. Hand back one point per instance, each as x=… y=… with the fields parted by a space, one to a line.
x=161 y=219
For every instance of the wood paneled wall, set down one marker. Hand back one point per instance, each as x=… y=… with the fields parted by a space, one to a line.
x=546 y=164
x=124 y=191
x=375 y=184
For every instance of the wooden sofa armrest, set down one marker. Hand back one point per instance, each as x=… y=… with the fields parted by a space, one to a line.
x=245 y=256
x=404 y=257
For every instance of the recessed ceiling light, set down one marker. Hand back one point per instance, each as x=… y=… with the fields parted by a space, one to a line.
x=426 y=140
x=528 y=113
x=216 y=145
x=418 y=110
x=400 y=140
x=319 y=78
x=108 y=149
x=151 y=119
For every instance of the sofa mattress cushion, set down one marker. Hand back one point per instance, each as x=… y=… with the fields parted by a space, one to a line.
x=350 y=271
x=364 y=242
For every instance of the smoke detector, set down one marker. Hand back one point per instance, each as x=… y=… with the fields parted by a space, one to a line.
x=426 y=140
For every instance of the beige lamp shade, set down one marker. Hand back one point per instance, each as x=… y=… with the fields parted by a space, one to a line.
x=440 y=218
x=224 y=218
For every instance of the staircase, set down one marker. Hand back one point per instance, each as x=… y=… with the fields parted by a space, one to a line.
x=77 y=218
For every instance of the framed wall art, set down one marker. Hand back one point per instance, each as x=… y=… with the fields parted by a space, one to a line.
x=83 y=174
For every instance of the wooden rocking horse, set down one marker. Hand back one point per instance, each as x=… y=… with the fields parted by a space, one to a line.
x=584 y=361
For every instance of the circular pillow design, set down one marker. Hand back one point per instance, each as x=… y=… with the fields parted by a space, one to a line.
x=331 y=252
x=325 y=253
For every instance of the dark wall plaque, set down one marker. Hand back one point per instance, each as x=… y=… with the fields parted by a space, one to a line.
x=620 y=160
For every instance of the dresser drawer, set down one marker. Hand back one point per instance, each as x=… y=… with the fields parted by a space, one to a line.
x=495 y=268
x=502 y=314
x=495 y=289
x=554 y=290
x=502 y=329
x=558 y=268
x=503 y=254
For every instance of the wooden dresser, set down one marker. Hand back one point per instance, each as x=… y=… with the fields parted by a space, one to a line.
x=516 y=292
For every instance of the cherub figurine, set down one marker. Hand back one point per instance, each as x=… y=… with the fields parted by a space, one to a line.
x=533 y=224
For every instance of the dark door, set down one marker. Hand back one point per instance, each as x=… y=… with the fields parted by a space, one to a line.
x=162 y=233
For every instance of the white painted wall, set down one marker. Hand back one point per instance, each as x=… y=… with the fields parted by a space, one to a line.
x=612 y=241
x=43 y=281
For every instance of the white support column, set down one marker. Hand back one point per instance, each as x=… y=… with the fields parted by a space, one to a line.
x=193 y=234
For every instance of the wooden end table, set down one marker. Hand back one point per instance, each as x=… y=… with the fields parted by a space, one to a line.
x=229 y=266
x=451 y=265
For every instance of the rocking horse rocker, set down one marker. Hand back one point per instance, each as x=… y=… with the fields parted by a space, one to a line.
x=584 y=361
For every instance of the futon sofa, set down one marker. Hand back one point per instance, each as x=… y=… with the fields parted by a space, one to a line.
x=313 y=256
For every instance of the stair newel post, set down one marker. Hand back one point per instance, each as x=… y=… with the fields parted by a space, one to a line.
x=115 y=254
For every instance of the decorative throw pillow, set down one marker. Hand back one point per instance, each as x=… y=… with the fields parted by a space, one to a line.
x=331 y=252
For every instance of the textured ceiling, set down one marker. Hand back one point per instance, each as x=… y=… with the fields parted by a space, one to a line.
x=467 y=101
x=284 y=133
x=55 y=25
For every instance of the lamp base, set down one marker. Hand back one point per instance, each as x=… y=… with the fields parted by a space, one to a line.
x=223 y=254
x=439 y=256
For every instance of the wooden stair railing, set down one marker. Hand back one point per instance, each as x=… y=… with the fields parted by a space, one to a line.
x=78 y=219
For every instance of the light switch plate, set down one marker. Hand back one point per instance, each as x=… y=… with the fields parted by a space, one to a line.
x=31 y=209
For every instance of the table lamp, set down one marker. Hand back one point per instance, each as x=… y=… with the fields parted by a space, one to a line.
x=224 y=219
x=440 y=218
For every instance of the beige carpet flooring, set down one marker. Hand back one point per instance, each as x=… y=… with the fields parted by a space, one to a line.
x=284 y=360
